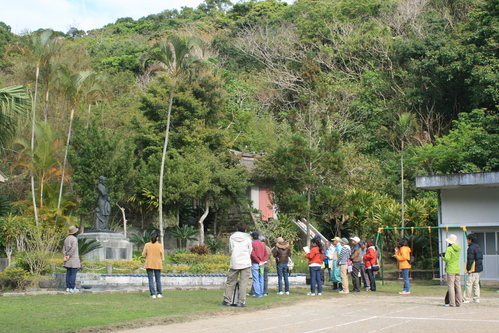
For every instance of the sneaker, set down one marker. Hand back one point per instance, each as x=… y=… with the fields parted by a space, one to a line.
x=265 y=294
x=68 y=290
x=224 y=303
x=310 y=294
x=368 y=288
x=466 y=301
x=153 y=296
x=404 y=292
x=75 y=290
x=343 y=292
x=287 y=292
x=476 y=301
x=240 y=305
x=447 y=304
x=280 y=293
x=319 y=294
x=160 y=296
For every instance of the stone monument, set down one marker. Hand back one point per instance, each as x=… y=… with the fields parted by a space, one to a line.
x=115 y=246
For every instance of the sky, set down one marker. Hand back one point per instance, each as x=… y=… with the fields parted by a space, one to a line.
x=60 y=15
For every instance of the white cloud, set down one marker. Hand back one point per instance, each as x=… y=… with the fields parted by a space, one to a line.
x=60 y=15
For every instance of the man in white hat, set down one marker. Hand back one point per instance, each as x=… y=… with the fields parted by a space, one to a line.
x=71 y=259
x=356 y=258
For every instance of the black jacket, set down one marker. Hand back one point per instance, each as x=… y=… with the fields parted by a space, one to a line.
x=474 y=255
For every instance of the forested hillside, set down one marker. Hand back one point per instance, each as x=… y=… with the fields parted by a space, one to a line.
x=337 y=95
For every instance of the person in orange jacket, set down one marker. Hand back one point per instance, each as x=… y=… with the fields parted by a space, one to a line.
x=315 y=258
x=403 y=256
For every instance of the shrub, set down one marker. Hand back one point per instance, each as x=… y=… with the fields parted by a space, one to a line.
x=14 y=278
x=215 y=244
x=199 y=249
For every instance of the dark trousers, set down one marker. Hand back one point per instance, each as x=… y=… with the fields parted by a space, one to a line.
x=71 y=277
x=282 y=274
x=372 y=280
x=315 y=279
x=154 y=274
x=355 y=276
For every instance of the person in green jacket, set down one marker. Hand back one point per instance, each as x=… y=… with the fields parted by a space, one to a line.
x=453 y=270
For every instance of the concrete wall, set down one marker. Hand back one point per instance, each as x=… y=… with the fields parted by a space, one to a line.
x=469 y=206
x=122 y=281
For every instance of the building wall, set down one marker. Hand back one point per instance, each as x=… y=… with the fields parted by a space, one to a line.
x=470 y=206
x=477 y=208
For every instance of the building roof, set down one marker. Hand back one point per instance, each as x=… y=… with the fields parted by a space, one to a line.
x=3 y=178
x=246 y=159
x=475 y=179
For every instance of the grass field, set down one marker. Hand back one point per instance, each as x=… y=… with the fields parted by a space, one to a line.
x=105 y=312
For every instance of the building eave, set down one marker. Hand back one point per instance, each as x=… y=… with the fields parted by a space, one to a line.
x=453 y=181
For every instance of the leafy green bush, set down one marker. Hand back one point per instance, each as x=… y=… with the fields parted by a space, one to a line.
x=214 y=245
x=14 y=278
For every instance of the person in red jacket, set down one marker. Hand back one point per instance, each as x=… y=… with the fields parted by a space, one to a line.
x=370 y=261
x=259 y=257
x=315 y=258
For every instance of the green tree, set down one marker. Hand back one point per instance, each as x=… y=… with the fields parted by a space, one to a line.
x=39 y=48
x=173 y=56
x=95 y=152
x=14 y=102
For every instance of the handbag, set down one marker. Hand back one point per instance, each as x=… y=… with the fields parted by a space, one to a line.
x=291 y=264
x=375 y=268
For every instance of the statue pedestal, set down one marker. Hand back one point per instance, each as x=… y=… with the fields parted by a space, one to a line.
x=114 y=246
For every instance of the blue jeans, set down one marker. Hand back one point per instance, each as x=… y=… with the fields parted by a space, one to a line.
x=71 y=277
x=405 y=276
x=257 y=280
x=282 y=272
x=151 y=274
x=315 y=279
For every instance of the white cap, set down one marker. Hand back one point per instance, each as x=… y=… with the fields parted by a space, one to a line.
x=355 y=239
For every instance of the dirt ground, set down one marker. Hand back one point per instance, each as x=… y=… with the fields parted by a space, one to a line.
x=363 y=312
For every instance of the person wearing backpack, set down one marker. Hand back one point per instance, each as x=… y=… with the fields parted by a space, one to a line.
x=282 y=253
x=403 y=256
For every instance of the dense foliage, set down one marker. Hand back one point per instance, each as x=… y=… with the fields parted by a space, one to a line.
x=333 y=94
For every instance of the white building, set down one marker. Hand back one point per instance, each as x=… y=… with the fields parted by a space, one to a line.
x=471 y=200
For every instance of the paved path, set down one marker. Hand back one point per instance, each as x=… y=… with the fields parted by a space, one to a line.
x=365 y=312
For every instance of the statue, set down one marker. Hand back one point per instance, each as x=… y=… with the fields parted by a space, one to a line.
x=103 y=209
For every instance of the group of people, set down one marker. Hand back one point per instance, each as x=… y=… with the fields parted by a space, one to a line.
x=340 y=259
x=250 y=255
x=474 y=267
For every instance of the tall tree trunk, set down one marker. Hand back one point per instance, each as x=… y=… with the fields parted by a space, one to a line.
x=65 y=161
x=162 y=170
x=46 y=110
x=308 y=216
x=35 y=209
x=201 y=221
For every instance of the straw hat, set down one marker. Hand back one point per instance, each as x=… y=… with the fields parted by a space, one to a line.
x=338 y=239
x=452 y=239
x=72 y=230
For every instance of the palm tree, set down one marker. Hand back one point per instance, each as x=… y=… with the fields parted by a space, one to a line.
x=42 y=161
x=14 y=100
x=405 y=125
x=175 y=57
x=40 y=47
x=74 y=85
